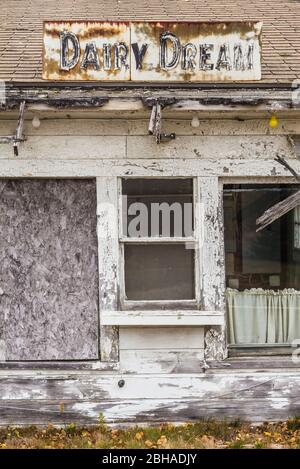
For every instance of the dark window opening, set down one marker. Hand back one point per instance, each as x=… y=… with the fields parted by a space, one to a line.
x=262 y=269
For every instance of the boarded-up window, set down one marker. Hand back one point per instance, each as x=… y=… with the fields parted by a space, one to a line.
x=48 y=270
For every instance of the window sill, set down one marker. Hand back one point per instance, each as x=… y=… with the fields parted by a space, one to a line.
x=60 y=365
x=248 y=350
x=256 y=364
x=162 y=318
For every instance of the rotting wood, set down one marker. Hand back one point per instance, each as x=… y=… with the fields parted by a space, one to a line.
x=203 y=386
x=24 y=412
x=215 y=345
x=155 y=124
x=256 y=397
x=18 y=136
x=278 y=210
x=284 y=206
x=284 y=163
x=211 y=269
x=179 y=99
x=108 y=255
x=163 y=101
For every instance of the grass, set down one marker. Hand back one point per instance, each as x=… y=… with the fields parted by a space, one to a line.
x=203 y=434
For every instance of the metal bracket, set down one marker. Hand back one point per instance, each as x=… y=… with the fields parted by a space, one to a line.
x=155 y=124
x=18 y=137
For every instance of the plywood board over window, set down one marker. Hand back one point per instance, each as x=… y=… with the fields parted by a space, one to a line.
x=48 y=270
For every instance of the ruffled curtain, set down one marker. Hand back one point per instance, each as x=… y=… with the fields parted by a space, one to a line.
x=260 y=316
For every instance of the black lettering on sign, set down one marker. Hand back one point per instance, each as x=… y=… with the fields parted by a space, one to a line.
x=166 y=64
x=121 y=54
x=224 y=58
x=139 y=54
x=205 y=57
x=189 y=52
x=90 y=57
x=106 y=56
x=67 y=61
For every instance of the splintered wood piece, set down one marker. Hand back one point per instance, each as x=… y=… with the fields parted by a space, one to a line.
x=152 y=120
x=19 y=131
x=158 y=123
x=284 y=163
x=284 y=206
x=278 y=210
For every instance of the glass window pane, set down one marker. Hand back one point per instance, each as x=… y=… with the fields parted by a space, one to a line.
x=158 y=207
x=262 y=269
x=159 y=272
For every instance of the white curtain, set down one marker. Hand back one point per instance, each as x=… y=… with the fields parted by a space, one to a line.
x=260 y=316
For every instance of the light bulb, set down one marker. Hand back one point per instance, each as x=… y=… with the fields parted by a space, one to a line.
x=195 y=122
x=273 y=122
x=36 y=122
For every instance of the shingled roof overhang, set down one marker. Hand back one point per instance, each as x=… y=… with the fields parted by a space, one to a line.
x=21 y=28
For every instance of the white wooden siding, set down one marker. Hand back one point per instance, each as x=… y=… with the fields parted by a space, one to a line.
x=162 y=367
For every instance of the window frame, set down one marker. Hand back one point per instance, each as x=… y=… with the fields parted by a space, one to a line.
x=163 y=305
x=252 y=350
x=207 y=311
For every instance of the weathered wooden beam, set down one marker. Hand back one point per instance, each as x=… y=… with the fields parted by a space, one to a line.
x=284 y=163
x=284 y=206
x=278 y=210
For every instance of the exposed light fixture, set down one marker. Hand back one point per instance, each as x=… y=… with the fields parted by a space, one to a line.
x=195 y=122
x=273 y=122
x=36 y=122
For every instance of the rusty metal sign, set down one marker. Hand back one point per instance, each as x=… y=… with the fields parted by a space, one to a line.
x=152 y=52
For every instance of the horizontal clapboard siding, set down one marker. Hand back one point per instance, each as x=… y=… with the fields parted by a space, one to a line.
x=61 y=399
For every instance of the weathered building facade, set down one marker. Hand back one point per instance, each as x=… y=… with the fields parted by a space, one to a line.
x=101 y=311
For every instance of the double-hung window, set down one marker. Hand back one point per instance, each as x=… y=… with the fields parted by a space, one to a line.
x=158 y=244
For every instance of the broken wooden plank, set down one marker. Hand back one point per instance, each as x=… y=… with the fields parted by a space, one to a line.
x=151 y=127
x=278 y=210
x=284 y=206
x=284 y=163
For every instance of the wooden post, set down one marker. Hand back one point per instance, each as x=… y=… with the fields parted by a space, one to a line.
x=211 y=257
x=108 y=258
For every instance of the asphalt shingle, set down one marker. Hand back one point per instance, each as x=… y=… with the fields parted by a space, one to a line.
x=21 y=28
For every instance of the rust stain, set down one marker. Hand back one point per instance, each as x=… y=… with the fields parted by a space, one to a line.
x=150 y=33
x=86 y=30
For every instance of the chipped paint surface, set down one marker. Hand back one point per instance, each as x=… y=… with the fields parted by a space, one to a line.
x=161 y=51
